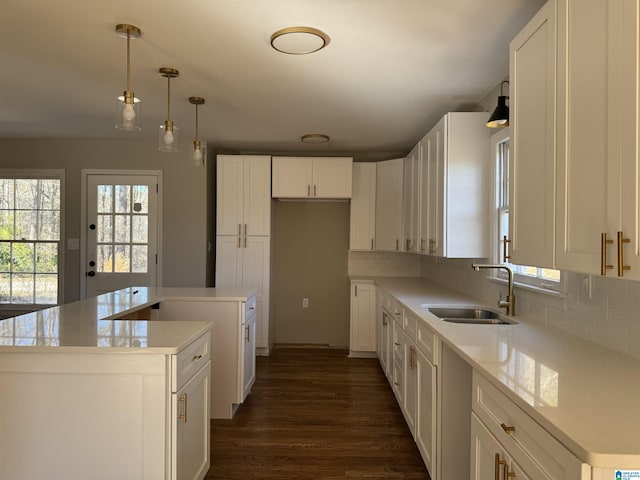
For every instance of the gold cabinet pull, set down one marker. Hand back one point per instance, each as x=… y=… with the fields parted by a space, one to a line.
x=603 y=255
x=621 y=266
x=432 y=246
x=315 y=193
x=308 y=190
x=408 y=245
x=508 y=429
x=247 y=333
x=183 y=399
x=397 y=244
x=422 y=242
x=245 y=229
x=197 y=357
x=239 y=235
x=496 y=463
x=372 y=244
x=505 y=241
x=355 y=290
x=507 y=473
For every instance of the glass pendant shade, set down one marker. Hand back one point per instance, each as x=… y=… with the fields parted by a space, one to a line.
x=168 y=137
x=128 y=112
x=198 y=153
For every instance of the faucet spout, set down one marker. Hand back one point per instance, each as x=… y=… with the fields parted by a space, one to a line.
x=509 y=304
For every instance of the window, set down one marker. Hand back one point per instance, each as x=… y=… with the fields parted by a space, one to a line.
x=30 y=226
x=545 y=278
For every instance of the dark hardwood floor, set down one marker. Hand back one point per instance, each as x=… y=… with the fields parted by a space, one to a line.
x=315 y=414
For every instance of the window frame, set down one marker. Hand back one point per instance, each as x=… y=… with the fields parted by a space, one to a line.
x=42 y=174
x=537 y=283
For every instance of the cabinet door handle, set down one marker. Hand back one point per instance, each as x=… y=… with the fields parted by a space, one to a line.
x=239 y=235
x=315 y=193
x=432 y=246
x=396 y=344
x=621 y=266
x=372 y=244
x=408 y=246
x=603 y=254
x=245 y=241
x=183 y=399
x=308 y=190
x=496 y=464
x=422 y=242
x=245 y=229
x=508 y=429
x=197 y=357
x=355 y=288
x=505 y=241
x=397 y=244
x=506 y=472
x=247 y=333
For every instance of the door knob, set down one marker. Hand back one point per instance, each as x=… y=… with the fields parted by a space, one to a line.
x=91 y=273
x=92 y=226
x=92 y=263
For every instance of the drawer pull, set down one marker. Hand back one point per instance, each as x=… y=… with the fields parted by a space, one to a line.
x=183 y=399
x=396 y=344
x=197 y=357
x=507 y=429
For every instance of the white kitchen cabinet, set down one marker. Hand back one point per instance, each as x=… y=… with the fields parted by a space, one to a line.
x=410 y=200
x=458 y=166
x=385 y=342
x=233 y=345
x=243 y=196
x=363 y=334
x=410 y=394
x=501 y=431
x=312 y=177
x=389 y=177
x=427 y=144
x=426 y=413
x=362 y=219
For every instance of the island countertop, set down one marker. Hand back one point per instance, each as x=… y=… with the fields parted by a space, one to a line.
x=96 y=325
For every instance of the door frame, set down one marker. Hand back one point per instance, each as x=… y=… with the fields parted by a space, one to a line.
x=84 y=173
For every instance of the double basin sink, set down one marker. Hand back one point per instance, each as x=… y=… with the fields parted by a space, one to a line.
x=469 y=315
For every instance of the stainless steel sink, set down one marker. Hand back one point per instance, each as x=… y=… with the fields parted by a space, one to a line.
x=470 y=315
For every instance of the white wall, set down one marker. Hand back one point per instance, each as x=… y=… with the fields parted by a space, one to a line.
x=186 y=211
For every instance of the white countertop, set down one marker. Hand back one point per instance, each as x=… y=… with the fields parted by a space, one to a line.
x=92 y=325
x=585 y=395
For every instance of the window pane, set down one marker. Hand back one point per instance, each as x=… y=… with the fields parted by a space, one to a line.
x=139 y=259
x=105 y=229
x=25 y=225
x=47 y=258
x=5 y=287
x=140 y=229
x=550 y=274
x=105 y=259
x=22 y=288
x=6 y=193
x=141 y=199
x=531 y=271
x=6 y=225
x=123 y=198
x=5 y=257
x=122 y=231
x=46 y=289
x=23 y=258
x=105 y=198
x=49 y=194
x=26 y=194
x=122 y=259
x=49 y=225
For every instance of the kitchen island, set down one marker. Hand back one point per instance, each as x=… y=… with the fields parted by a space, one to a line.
x=88 y=394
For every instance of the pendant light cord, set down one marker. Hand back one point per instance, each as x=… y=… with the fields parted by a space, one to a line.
x=128 y=61
x=168 y=97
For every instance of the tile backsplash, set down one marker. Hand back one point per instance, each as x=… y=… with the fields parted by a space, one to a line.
x=602 y=310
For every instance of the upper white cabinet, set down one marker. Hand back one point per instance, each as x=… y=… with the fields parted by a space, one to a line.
x=312 y=177
x=243 y=195
x=389 y=204
x=458 y=175
x=410 y=200
x=363 y=207
x=532 y=109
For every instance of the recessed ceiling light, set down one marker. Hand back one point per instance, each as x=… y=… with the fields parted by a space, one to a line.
x=315 y=138
x=299 y=40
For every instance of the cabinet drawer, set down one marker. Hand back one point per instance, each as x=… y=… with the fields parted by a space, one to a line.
x=525 y=440
x=428 y=343
x=186 y=363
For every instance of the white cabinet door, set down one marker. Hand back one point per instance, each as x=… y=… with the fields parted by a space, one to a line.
x=409 y=201
x=228 y=261
x=332 y=177
x=190 y=441
x=385 y=342
x=410 y=396
x=435 y=153
x=397 y=359
x=389 y=204
x=255 y=274
x=486 y=452
x=363 y=338
x=532 y=104
x=229 y=196
x=363 y=207
x=249 y=355
x=426 y=420
x=423 y=197
x=292 y=177
x=257 y=195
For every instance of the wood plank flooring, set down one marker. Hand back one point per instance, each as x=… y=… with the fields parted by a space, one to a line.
x=316 y=414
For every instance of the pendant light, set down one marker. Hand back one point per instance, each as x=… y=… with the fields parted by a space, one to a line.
x=128 y=113
x=198 y=151
x=168 y=133
x=500 y=116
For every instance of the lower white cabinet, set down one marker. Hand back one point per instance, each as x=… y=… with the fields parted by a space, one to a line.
x=506 y=440
x=363 y=334
x=233 y=344
x=426 y=402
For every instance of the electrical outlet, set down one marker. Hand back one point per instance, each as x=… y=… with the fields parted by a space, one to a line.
x=305 y=303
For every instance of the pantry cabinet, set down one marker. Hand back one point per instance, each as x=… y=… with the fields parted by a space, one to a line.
x=362 y=223
x=389 y=178
x=312 y=177
x=363 y=334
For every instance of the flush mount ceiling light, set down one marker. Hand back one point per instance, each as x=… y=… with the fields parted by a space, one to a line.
x=128 y=107
x=168 y=133
x=299 y=40
x=500 y=116
x=314 y=138
x=198 y=151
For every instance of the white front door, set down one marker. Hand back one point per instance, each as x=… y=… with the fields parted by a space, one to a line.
x=121 y=232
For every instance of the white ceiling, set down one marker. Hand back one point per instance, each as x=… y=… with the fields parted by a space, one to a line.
x=392 y=68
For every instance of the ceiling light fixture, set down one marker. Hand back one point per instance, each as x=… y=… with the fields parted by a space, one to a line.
x=500 y=116
x=128 y=113
x=168 y=133
x=198 y=151
x=299 y=40
x=315 y=138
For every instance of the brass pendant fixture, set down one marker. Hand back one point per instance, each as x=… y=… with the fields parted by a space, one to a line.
x=168 y=132
x=198 y=151
x=128 y=114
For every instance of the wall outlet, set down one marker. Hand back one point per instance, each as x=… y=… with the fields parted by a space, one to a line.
x=305 y=303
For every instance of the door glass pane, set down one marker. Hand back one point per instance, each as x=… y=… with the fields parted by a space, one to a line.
x=105 y=199
x=122 y=232
x=140 y=230
x=141 y=198
x=122 y=259
x=139 y=258
x=105 y=228
x=105 y=259
x=123 y=198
